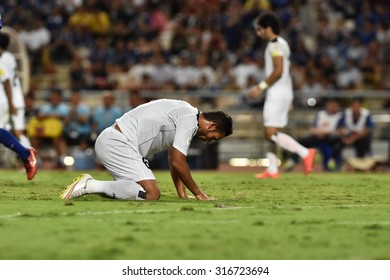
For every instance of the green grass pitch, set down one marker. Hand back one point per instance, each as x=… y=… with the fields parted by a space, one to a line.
x=322 y=216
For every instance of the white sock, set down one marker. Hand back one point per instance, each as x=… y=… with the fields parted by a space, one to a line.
x=24 y=141
x=126 y=189
x=290 y=144
x=273 y=163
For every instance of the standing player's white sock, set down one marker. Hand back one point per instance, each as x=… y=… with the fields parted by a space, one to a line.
x=24 y=141
x=290 y=144
x=273 y=163
x=126 y=189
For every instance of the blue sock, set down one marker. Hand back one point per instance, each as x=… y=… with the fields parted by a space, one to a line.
x=12 y=143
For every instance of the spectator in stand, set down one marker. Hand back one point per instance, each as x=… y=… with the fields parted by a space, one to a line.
x=77 y=74
x=48 y=125
x=106 y=114
x=97 y=77
x=356 y=128
x=36 y=38
x=184 y=74
x=119 y=60
x=350 y=77
x=63 y=49
x=100 y=50
x=356 y=49
x=324 y=136
x=163 y=74
x=245 y=69
x=204 y=71
x=30 y=109
x=77 y=124
x=144 y=66
x=310 y=92
x=371 y=66
x=91 y=16
x=224 y=76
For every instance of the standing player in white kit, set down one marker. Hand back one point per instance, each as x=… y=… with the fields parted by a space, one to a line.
x=148 y=129
x=278 y=85
x=8 y=61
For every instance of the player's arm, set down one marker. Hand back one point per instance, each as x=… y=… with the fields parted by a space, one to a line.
x=180 y=187
x=181 y=175
x=276 y=74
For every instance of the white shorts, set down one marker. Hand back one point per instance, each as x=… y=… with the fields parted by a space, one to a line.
x=121 y=157
x=275 y=112
x=4 y=116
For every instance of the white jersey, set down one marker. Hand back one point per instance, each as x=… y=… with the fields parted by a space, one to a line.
x=160 y=124
x=8 y=61
x=327 y=122
x=360 y=124
x=282 y=88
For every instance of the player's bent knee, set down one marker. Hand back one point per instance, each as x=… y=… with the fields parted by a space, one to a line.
x=153 y=194
x=151 y=189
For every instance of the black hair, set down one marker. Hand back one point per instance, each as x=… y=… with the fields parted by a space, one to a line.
x=269 y=19
x=4 y=41
x=223 y=121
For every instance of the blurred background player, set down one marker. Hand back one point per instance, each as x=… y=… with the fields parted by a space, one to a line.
x=17 y=121
x=278 y=84
x=6 y=138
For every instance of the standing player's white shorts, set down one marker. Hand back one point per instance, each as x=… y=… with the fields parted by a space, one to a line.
x=120 y=156
x=275 y=112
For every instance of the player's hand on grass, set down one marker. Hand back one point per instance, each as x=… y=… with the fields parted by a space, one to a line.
x=203 y=196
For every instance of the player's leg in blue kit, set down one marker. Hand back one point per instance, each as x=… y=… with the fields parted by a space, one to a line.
x=10 y=141
x=26 y=154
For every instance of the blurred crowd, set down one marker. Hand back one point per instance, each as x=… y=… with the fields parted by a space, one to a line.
x=196 y=45
x=203 y=44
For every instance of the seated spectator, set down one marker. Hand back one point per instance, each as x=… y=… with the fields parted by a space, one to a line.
x=77 y=74
x=310 y=92
x=37 y=38
x=351 y=77
x=225 y=78
x=184 y=74
x=106 y=114
x=30 y=109
x=77 y=125
x=324 y=136
x=97 y=77
x=204 y=71
x=245 y=69
x=120 y=59
x=356 y=128
x=144 y=66
x=48 y=125
x=163 y=73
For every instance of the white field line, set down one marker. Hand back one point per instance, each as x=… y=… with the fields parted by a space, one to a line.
x=383 y=223
x=116 y=212
x=338 y=206
x=140 y=211
x=207 y=222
